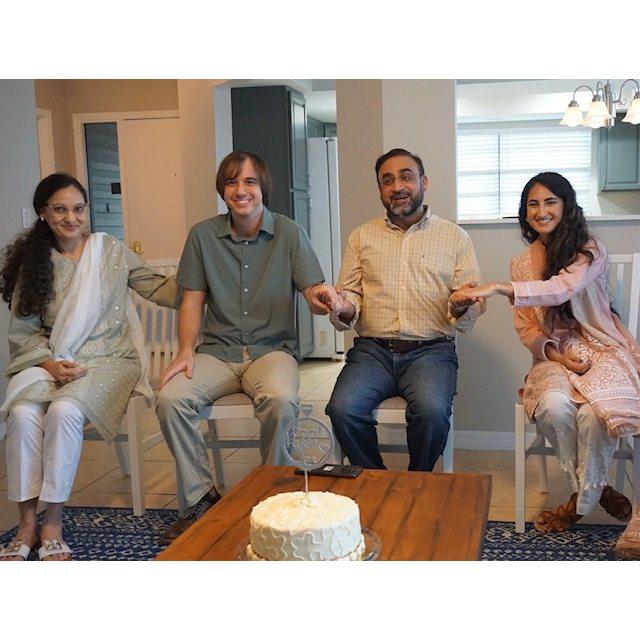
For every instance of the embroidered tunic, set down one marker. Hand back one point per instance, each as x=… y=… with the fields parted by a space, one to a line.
x=109 y=354
x=611 y=385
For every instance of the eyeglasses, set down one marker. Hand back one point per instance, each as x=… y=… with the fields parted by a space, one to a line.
x=405 y=178
x=60 y=210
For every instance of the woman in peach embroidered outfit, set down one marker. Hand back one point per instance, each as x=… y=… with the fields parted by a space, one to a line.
x=583 y=389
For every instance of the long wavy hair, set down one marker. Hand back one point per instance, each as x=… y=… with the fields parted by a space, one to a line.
x=566 y=242
x=29 y=257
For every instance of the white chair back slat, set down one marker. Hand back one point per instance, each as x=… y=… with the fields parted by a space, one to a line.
x=159 y=324
x=634 y=305
x=620 y=261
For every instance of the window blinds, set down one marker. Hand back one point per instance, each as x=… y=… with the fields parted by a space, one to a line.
x=494 y=167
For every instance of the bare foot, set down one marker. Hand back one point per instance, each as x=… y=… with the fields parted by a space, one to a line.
x=27 y=534
x=53 y=532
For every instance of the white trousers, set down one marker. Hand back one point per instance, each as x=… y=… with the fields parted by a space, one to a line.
x=582 y=443
x=43 y=450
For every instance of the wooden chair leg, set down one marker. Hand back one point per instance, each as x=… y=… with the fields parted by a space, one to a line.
x=214 y=445
x=520 y=460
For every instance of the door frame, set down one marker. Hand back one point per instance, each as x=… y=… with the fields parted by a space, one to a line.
x=119 y=117
x=46 y=152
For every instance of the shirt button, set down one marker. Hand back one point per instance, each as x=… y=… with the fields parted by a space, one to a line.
x=246 y=242
x=246 y=290
x=244 y=313
x=117 y=308
x=246 y=266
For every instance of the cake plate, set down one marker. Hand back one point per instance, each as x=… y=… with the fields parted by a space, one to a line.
x=372 y=546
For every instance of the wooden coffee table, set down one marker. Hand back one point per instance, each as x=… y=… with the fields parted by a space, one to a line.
x=417 y=515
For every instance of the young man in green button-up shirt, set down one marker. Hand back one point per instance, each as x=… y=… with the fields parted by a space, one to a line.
x=246 y=266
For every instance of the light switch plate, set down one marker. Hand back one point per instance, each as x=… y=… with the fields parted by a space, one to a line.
x=27 y=218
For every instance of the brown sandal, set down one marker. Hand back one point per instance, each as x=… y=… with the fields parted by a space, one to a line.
x=559 y=519
x=615 y=504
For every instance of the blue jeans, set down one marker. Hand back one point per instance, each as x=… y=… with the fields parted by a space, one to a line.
x=425 y=378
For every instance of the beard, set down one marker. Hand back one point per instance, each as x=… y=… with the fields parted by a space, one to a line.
x=405 y=210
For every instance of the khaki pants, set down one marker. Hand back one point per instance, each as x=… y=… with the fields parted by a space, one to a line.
x=271 y=381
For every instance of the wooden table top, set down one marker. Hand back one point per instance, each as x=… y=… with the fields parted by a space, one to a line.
x=417 y=515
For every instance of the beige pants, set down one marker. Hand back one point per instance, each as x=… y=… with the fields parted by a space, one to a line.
x=271 y=381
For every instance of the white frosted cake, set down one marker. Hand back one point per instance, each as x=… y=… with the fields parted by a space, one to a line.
x=319 y=526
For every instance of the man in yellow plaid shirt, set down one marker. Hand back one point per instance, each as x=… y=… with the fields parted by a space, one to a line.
x=397 y=275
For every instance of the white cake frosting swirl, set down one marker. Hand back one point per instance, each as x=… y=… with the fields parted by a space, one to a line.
x=295 y=526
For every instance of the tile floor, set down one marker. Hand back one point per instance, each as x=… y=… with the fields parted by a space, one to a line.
x=100 y=483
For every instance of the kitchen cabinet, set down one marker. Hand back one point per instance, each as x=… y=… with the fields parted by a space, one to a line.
x=271 y=122
x=619 y=157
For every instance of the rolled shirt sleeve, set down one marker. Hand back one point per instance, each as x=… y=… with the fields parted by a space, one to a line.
x=305 y=268
x=350 y=281
x=467 y=270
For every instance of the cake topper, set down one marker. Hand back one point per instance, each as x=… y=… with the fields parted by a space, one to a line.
x=308 y=442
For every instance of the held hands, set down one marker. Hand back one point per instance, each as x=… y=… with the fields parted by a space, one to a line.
x=465 y=296
x=323 y=299
x=182 y=362
x=64 y=370
x=474 y=292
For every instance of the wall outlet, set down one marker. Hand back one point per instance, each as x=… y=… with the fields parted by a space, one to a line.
x=28 y=217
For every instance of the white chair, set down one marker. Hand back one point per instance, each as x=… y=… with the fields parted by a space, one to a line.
x=236 y=406
x=626 y=449
x=159 y=328
x=391 y=413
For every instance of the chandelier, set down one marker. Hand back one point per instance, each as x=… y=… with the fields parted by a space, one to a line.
x=602 y=110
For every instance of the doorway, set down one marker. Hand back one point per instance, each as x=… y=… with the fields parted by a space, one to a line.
x=131 y=163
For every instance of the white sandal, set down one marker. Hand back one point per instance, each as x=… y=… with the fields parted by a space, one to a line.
x=15 y=548
x=53 y=547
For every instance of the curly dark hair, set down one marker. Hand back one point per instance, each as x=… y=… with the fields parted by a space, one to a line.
x=566 y=241
x=29 y=257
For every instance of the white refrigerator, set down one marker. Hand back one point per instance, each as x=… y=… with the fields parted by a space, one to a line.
x=324 y=231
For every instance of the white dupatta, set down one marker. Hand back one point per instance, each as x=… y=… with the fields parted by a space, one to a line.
x=78 y=315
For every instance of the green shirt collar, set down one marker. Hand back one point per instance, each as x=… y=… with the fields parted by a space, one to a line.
x=266 y=225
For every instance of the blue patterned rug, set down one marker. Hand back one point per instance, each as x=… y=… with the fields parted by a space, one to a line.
x=116 y=534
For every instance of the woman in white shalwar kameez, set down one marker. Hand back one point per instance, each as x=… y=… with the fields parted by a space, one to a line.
x=74 y=357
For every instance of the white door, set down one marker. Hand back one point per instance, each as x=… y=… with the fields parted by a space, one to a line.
x=152 y=190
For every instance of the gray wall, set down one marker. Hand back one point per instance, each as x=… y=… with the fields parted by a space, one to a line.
x=19 y=174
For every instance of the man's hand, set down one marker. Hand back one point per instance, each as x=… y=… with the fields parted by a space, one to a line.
x=464 y=297
x=64 y=370
x=182 y=362
x=323 y=299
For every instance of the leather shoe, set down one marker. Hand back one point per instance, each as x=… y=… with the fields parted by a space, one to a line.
x=178 y=527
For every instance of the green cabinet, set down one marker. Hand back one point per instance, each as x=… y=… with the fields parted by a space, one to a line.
x=619 y=157
x=271 y=121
